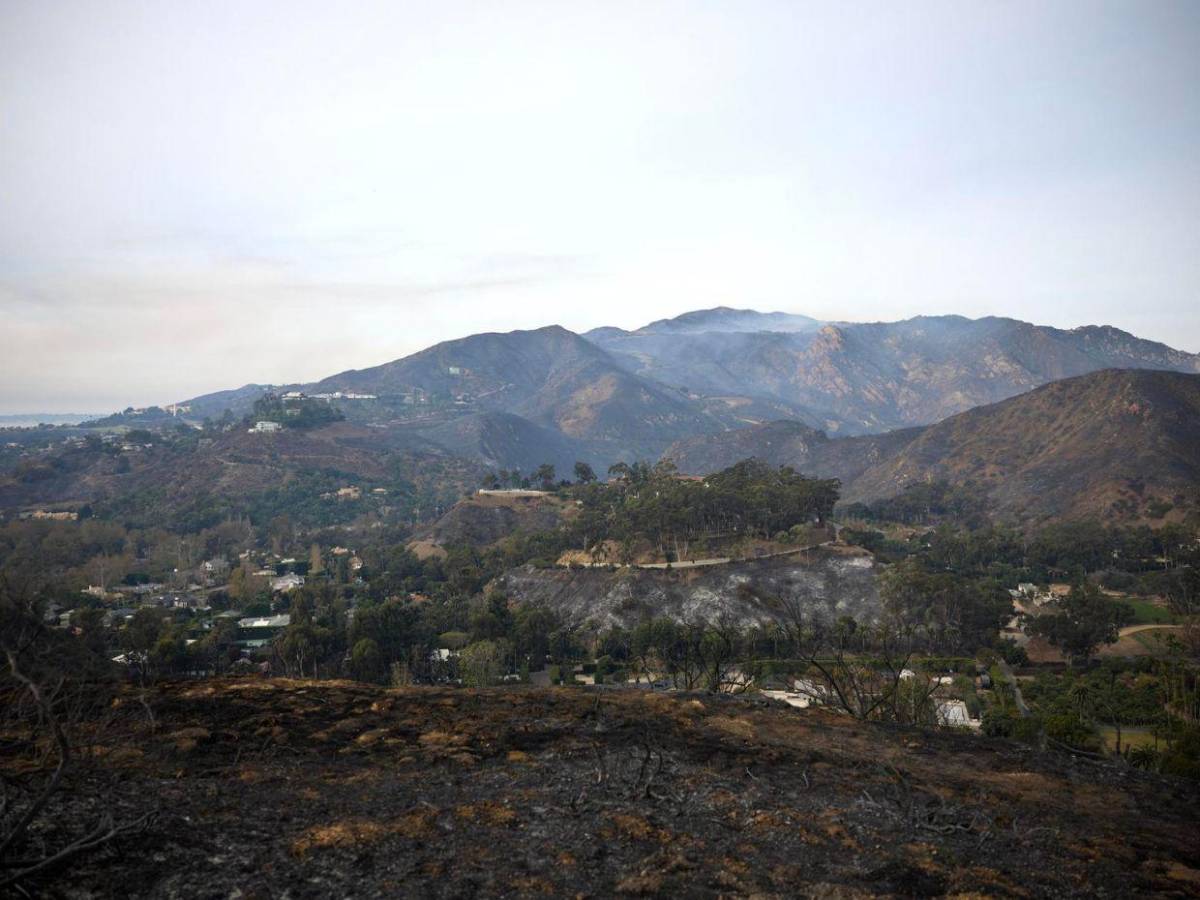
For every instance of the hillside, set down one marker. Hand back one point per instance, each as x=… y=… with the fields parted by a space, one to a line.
x=853 y=378
x=191 y=483
x=264 y=788
x=1106 y=444
x=505 y=441
x=550 y=376
x=827 y=583
x=1103 y=444
x=789 y=443
x=484 y=519
x=1119 y=444
x=617 y=395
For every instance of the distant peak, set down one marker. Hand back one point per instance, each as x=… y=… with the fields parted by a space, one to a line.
x=726 y=319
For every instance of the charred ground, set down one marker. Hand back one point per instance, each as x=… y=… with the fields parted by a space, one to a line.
x=267 y=788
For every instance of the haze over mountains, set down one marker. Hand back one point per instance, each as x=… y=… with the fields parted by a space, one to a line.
x=524 y=397
x=866 y=378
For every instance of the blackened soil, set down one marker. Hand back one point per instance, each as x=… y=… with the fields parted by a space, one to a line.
x=264 y=789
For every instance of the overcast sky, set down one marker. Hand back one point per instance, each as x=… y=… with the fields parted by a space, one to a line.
x=198 y=195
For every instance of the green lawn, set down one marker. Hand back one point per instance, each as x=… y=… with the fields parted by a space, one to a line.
x=1147 y=613
x=1129 y=738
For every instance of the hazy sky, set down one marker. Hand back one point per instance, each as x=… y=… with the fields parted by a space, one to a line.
x=198 y=195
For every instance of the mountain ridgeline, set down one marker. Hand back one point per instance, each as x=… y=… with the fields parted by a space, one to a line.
x=612 y=395
x=1042 y=422
x=1118 y=443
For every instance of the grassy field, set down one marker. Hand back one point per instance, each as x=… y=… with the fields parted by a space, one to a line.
x=1130 y=737
x=1153 y=640
x=1149 y=613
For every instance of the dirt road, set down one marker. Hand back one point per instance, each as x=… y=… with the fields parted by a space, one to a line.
x=1016 y=687
x=713 y=561
x=1134 y=629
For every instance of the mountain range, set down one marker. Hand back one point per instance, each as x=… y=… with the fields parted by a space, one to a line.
x=867 y=378
x=1044 y=423
x=521 y=398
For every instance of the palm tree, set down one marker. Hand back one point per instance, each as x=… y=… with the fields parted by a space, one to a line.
x=1081 y=696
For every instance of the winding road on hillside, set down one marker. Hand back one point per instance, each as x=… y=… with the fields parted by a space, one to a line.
x=713 y=561
x=1134 y=629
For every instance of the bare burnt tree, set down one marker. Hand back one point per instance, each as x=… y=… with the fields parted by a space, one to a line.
x=720 y=646
x=863 y=670
x=54 y=695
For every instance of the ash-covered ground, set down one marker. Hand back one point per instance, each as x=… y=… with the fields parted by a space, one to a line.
x=273 y=788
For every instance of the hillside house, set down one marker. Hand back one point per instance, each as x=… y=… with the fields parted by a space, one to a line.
x=265 y=427
x=283 y=620
x=257 y=632
x=954 y=714
x=343 y=493
x=288 y=582
x=1028 y=594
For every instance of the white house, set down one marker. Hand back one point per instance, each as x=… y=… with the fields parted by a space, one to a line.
x=280 y=621
x=954 y=714
x=265 y=427
x=288 y=582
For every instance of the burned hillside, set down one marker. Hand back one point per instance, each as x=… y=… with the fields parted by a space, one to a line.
x=271 y=788
x=826 y=582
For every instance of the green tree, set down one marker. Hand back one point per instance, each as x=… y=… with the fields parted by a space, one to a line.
x=1082 y=621
x=366 y=660
x=480 y=664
